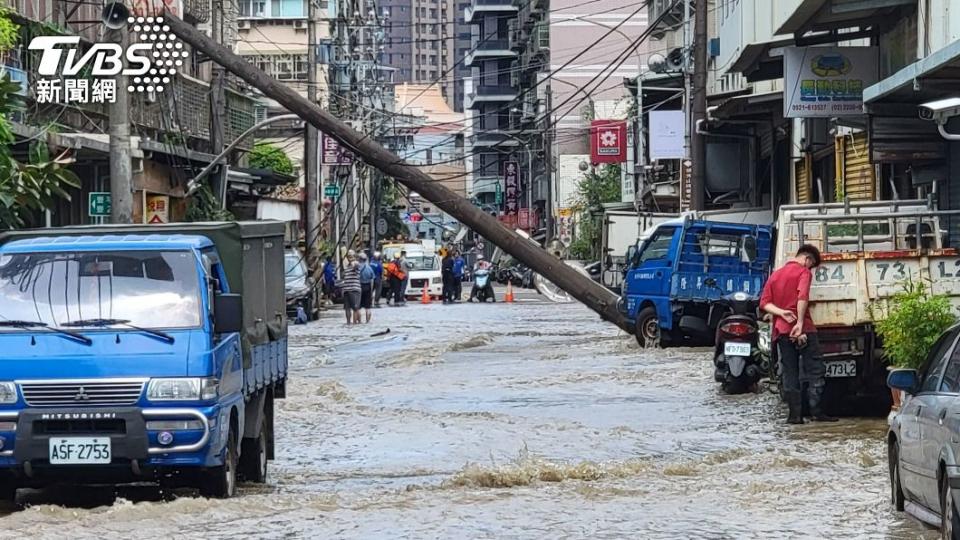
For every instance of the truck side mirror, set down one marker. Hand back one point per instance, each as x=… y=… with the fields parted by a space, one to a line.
x=227 y=313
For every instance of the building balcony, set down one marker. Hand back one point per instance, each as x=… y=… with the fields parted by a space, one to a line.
x=491 y=94
x=479 y=8
x=196 y=11
x=490 y=49
x=500 y=138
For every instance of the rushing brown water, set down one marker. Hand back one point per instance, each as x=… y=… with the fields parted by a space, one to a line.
x=530 y=420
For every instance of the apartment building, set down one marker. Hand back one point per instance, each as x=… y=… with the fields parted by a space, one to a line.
x=510 y=52
x=419 y=42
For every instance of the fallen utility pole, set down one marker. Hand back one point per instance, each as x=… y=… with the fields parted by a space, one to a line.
x=581 y=287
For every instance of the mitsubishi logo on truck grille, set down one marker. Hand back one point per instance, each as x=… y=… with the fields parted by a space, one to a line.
x=86 y=392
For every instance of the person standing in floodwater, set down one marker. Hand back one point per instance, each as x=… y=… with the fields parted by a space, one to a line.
x=351 y=288
x=786 y=296
x=367 y=275
x=377 y=265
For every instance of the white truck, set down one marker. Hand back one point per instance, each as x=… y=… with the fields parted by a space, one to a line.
x=869 y=250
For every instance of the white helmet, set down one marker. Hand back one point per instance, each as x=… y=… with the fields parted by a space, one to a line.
x=480 y=257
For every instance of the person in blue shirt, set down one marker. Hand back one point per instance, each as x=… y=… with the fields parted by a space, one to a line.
x=367 y=275
x=329 y=278
x=458 y=266
x=377 y=265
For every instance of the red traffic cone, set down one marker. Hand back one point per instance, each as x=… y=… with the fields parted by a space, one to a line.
x=425 y=299
x=508 y=298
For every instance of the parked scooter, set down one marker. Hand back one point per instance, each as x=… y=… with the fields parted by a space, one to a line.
x=738 y=361
x=482 y=287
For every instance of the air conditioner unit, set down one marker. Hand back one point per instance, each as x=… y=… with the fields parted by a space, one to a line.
x=243 y=24
x=300 y=24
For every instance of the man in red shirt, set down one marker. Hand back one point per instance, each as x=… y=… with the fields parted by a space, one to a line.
x=786 y=296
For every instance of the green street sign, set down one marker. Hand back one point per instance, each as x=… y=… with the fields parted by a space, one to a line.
x=99 y=204
x=331 y=190
x=499 y=195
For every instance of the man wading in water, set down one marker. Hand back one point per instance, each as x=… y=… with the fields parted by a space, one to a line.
x=786 y=296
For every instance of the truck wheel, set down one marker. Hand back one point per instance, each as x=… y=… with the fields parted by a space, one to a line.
x=221 y=482
x=648 y=327
x=253 y=457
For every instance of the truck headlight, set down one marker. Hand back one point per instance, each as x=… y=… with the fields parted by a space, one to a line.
x=182 y=389
x=8 y=392
x=437 y=280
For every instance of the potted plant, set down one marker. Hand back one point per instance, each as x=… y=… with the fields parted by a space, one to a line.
x=910 y=323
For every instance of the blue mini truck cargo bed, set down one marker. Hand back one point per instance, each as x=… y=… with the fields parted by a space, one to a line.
x=141 y=353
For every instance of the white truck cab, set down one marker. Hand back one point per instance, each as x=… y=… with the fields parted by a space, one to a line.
x=424 y=269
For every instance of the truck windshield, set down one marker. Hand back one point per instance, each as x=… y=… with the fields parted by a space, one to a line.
x=154 y=289
x=426 y=262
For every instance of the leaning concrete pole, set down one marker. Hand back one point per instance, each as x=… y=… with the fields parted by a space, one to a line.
x=593 y=295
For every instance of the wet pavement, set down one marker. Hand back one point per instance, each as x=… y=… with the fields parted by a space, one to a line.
x=530 y=420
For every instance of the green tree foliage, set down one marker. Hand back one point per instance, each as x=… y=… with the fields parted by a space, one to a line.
x=270 y=157
x=597 y=187
x=914 y=319
x=8 y=31
x=205 y=207
x=30 y=186
x=34 y=185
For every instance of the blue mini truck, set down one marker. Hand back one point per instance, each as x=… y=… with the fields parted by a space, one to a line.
x=666 y=293
x=141 y=354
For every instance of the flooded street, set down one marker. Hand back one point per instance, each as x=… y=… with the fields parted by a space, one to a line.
x=530 y=420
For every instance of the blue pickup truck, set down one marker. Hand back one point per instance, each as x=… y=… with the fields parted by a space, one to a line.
x=141 y=354
x=666 y=279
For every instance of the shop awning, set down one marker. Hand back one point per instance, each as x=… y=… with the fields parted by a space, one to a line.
x=833 y=15
x=761 y=61
x=934 y=77
x=753 y=107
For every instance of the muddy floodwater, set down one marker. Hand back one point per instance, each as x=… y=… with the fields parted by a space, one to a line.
x=529 y=420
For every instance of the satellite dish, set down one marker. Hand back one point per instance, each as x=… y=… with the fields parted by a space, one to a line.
x=657 y=63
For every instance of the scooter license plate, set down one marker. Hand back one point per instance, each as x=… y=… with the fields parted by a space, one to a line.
x=736 y=349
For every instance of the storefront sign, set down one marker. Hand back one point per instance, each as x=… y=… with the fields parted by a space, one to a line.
x=511 y=183
x=333 y=153
x=827 y=81
x=158 y=209
x=608 y=141
x=666 y=134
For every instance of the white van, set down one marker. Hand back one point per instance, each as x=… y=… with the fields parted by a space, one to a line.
x=424 y=269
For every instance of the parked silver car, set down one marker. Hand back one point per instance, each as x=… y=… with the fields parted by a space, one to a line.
x=924 y=438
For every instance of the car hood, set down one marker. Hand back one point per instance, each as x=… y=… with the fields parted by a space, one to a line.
x=44 y=355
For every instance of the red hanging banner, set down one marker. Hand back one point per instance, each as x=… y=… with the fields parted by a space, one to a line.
x=608 y=141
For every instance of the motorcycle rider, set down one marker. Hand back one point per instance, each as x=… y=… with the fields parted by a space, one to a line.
x=481 y=264
x=786 y=296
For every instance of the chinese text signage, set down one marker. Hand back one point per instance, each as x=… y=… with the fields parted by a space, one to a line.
x=333 y=153
x=827 y=81
x=608 y=141
x=511 y=183
x=99 y=204
x=158 y=209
